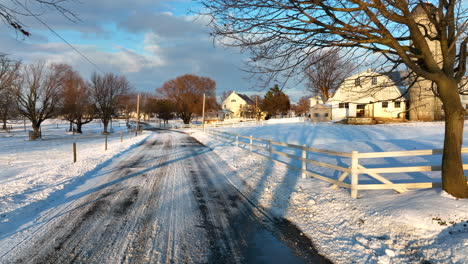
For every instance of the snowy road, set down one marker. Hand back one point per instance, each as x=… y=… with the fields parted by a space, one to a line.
x=166 y=201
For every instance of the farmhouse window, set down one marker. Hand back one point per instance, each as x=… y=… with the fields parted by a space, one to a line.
x=374 y=80
x=357 y=81
x=325 y=115
x=397 y=104
x=316 y=115
x=343 y=105
x=233 y=101
x=384 y=104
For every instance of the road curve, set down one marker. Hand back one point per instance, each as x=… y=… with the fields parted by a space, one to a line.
x=166 y=201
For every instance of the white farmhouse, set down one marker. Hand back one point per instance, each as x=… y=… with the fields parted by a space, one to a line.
x=238 y=105
x=368 y=94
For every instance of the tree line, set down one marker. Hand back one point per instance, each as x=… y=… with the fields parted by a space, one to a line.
x=40 y=91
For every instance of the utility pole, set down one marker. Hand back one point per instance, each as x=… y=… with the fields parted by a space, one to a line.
x=203 y=113
x=138 y=115
x=256 y=107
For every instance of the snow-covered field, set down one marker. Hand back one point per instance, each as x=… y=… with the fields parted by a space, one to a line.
x=419 y=226
x=32 y=171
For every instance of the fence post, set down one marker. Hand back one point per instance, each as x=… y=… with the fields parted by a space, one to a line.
x=251 y=141
x=270 y=149
x=304 y=163
x=105 y=145
x=354 y=174
x=237 y=141
x=74 y=152
x=121 y=136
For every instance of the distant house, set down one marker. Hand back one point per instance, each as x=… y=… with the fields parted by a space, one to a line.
x=368 y=94
x=238 y=105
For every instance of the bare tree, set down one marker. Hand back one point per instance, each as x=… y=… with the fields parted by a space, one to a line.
x=428 y=37
x=325 y=71
x=225 y=95
x=165 y=109
x=105 y=91
x=38 y=94
x=9 y=71
x=303 y=106
x=9 y=76
x=127 y=104
x=77 y=107
x=7 y=106
x=14 y=11
x=186 y=92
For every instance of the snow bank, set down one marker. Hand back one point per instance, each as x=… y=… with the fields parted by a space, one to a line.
x=381 y=226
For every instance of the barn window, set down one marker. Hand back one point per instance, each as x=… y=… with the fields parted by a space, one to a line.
x=233 y=100
x=316 y=115
x=384 y=104
x=224 y=106
x=357 y=81
x=397 y=104
x=325 y=115
x=374 y=80
x=343 y=105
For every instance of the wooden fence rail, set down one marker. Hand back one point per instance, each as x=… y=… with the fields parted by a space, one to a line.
x=352 y=172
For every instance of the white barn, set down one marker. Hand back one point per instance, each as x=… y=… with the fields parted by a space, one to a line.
x=368 y=94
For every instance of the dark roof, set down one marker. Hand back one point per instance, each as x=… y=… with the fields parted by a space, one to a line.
x=246 y=98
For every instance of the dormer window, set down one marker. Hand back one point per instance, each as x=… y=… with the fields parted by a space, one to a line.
x=357 y=81
x=374 y=80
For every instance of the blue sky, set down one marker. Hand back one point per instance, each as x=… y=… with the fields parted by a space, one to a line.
x=148 y=41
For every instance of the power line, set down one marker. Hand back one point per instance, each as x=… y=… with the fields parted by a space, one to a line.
x=58 y=35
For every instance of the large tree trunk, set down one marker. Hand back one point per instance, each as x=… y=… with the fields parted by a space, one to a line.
x=105 y=123
x=186 y=118
x=79 y=124
x=453 y=177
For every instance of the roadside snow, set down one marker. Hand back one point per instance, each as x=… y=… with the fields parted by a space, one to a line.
x=379 y=227
x=33 y=170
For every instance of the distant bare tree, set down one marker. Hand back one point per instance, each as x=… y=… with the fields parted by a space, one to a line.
x=9 y=71
x=105 y=91
x=9 y=76
x=186 y=92
x=12 y=12
x=165 y=109
x=77 y=106
x=127 y=104
x=38 y=94
x=325 y=71
x=302 y=106
x=225 y=95
x=8 y=108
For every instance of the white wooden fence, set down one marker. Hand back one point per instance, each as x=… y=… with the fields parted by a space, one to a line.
x=353 y=171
